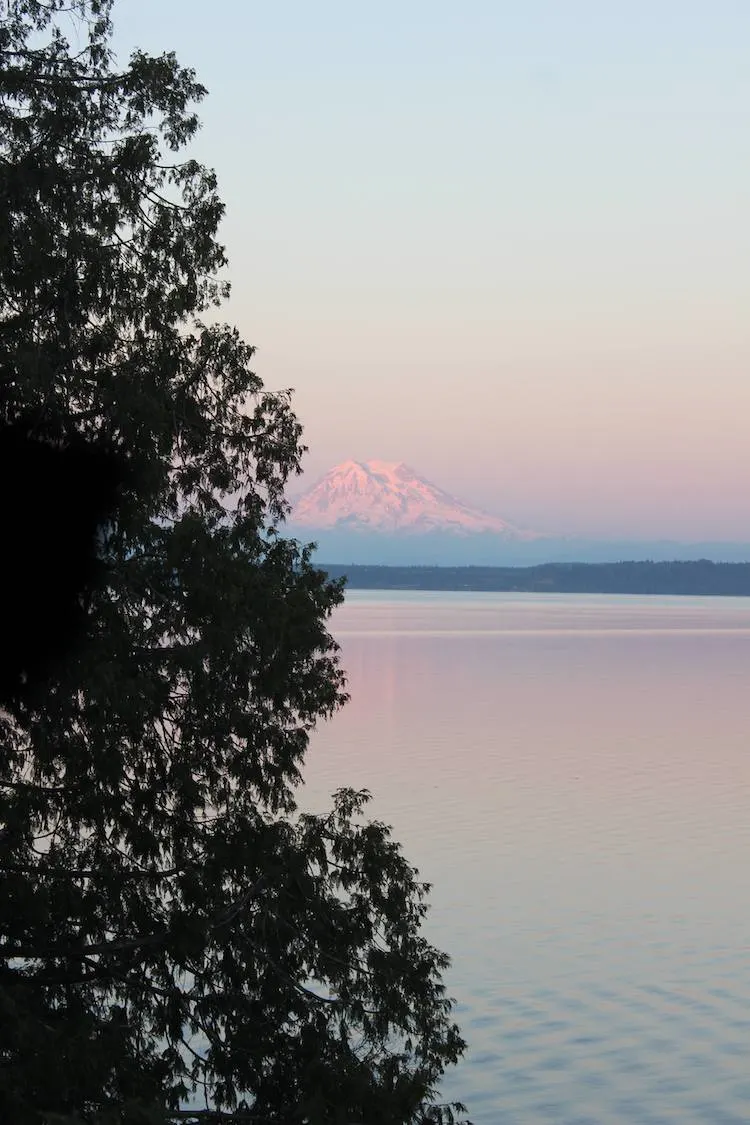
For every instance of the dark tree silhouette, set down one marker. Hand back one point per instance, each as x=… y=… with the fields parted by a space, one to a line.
x=58 y=494
x=173 y=929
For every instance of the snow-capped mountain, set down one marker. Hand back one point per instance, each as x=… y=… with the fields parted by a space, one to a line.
x=382 y=513
x=390 y=497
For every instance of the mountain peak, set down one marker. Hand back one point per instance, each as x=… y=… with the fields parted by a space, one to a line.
x=389 y=496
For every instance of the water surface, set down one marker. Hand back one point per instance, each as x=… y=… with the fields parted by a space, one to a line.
x=572 y=774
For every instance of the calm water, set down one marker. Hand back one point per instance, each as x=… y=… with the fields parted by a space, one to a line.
x=572 y=774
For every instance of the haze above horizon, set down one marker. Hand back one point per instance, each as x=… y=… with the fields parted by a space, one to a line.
x=507 y=244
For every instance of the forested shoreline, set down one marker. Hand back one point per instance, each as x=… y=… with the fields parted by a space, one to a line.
x=687 y=578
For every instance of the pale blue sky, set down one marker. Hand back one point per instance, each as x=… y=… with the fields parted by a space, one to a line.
x=506 y=242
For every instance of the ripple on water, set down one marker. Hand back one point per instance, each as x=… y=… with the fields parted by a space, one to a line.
x=573 y=777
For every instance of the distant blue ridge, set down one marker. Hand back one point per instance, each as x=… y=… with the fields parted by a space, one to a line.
x=488 y=549
x=694 y=578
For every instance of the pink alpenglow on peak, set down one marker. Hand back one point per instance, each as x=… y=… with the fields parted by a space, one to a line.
x=388 y=496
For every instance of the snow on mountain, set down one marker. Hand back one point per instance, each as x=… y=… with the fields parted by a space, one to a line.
x=388 y=496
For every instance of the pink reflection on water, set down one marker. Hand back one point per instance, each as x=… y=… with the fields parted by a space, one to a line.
x=573 y=777
x=540 y=732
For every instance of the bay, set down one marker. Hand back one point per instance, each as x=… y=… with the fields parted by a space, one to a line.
x=571 y=773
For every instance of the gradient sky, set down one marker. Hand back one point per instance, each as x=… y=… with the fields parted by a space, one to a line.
x=508 y=243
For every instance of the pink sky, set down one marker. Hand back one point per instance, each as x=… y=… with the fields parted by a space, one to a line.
x=509 y=245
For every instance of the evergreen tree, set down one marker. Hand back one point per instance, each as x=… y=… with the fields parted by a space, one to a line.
x=173 y=930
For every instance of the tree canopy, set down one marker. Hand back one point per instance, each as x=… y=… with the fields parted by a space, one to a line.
x=178 y=941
